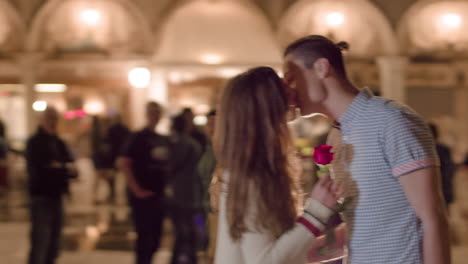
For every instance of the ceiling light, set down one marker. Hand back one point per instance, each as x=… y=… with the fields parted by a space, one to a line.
x=210 y=58
x=50 y=88
x=335 y=19
x=90 y=17
x=39 y=106
x=451 y=20
x=139 y=77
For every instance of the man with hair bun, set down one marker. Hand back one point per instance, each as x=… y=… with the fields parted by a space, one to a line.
x=385 y=160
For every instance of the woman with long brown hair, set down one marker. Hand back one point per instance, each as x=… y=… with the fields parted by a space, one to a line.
x=261 y=217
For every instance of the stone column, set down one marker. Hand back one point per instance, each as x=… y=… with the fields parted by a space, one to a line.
x=392 y=71
x=29 y=65
x=138 y=99
x=158 y=92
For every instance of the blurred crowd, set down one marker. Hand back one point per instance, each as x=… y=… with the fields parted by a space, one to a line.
x=167 y=176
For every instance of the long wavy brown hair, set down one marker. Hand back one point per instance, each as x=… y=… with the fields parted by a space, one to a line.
x=253 y=144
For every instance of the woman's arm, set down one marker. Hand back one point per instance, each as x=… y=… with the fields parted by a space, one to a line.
x=293 y=246
x=257 y=247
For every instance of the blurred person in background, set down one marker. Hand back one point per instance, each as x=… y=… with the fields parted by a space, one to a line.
x=117 y=135
x=207 y=163
x=50 y=166
x=465 y=162
x=145 y=162
x=185 y=195
x=103 y=161
x=206 y=169
x=194 y=131
x=3 y=159
x=447 y=167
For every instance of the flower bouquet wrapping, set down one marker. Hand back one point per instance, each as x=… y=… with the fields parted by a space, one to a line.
x=323 y=157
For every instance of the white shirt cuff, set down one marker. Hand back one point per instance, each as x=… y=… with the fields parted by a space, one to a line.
x=318 y=210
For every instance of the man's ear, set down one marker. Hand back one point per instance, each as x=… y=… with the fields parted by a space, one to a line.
x=322 y=68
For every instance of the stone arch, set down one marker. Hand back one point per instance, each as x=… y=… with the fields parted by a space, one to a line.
x=434 y=28
x=12 y=28
x=230 y=32
x=359 y=22
x=129 y=29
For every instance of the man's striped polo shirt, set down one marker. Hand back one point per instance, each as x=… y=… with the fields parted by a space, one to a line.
x=378 y=141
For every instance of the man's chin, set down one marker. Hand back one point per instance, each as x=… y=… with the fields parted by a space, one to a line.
x=298 y=113
x=308 y=113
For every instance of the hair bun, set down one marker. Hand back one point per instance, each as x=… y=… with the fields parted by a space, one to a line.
x=342 y=45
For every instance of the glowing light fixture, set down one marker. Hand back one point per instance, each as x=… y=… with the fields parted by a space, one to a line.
x=335 y=19
x=39 y=106
x=451 y=20
x=211 y=58
x=139 y=77
x=50 y=88
x=94 y=107
x=200 y=120
x=229 y=72
x=90 y=17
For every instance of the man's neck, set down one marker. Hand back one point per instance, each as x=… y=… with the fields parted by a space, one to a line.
x=341 y=95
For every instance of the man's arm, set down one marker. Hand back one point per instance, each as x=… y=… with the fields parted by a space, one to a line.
x=422 y=188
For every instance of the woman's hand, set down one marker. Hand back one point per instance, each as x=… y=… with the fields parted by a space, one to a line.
x=327 y=192
x=215 y=189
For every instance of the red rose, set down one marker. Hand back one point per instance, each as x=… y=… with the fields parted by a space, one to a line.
x=322 y=154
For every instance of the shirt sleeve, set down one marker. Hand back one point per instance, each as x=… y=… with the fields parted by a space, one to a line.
x=408 y=143
x=259 y=247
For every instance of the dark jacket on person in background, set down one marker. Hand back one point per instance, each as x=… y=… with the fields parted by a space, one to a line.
x=184 y=178
x=42 y=151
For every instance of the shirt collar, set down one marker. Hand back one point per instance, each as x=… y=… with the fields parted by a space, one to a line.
x=359 y=103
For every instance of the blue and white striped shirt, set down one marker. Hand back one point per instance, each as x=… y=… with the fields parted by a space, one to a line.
x=379 y=140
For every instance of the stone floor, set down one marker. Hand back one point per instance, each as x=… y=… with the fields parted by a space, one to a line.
x=103 y=234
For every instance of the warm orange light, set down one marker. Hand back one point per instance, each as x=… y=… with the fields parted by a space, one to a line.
x=451 y=20
x=90 y=17
x=39 y=106
x=335 y=19
x=211 y=58
x=139 y=77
